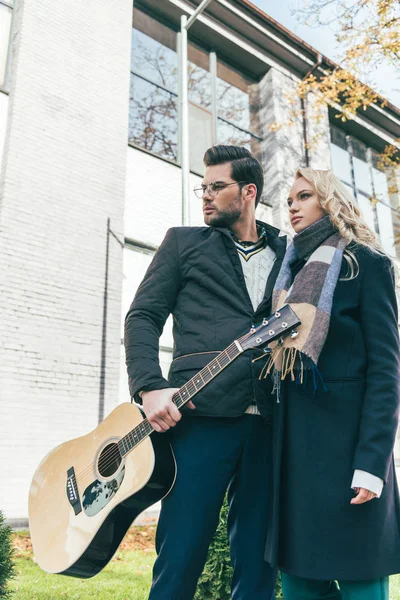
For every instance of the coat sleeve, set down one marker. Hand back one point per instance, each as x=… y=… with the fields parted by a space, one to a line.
x=145 y=320
x=379 y=418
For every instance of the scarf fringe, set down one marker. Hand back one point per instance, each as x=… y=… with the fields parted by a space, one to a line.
x=288 y=358
x=294 y=363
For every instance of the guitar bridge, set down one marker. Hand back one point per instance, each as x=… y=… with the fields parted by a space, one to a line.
x=72 y=491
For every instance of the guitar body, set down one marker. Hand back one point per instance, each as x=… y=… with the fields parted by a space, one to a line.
x=84 y=496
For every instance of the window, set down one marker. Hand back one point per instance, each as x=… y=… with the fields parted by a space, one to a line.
x=237 y=107
x=136 y=261
x=358 y=168
x=5 y=31
x=153 y=116
x=200 y=111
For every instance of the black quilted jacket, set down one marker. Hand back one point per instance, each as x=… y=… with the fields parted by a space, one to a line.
x=196 y=275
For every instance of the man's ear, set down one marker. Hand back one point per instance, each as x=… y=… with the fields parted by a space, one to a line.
x=250 y=190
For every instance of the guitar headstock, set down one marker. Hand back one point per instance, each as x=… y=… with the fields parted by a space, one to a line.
x=277 y=325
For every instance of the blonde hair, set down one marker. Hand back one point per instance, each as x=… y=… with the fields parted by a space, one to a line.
x=345 y=215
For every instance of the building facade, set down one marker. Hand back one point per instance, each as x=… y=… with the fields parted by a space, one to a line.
x=91 y=181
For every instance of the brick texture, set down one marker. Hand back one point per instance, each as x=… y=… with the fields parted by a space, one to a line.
x=63 y=177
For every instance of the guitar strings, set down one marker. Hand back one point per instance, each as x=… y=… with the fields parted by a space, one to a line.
x=113 y=454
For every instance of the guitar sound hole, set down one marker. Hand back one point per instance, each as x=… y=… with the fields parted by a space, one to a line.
x=109 y=460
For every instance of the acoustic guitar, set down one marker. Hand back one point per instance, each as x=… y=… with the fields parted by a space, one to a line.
x=86 y=492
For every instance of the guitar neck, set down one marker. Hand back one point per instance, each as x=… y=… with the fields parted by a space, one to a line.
x=184 y=394
x=207 y=374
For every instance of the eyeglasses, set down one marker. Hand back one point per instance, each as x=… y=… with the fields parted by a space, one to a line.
x=213 y=188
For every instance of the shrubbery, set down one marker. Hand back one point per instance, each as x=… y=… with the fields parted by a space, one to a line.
x=215 y=581
x=6 y=558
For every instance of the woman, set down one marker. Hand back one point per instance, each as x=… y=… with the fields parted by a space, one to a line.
x=336 y=515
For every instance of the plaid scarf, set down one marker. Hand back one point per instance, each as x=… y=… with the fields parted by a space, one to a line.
x=310 y=295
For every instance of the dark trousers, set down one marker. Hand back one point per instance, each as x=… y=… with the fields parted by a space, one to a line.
x=213 y=455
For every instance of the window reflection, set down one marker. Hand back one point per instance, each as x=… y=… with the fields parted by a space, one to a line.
x=362 y=175
x=237 y=104
x=367 y=210
x=385 y=220
x=135 y=263
x=341 y=164
x=153 y=120
x=233 y=104
x=154 y=61
x=228 y=134
x=201 y=136
x=380 y=185
x=349 y=154
x=199 y=77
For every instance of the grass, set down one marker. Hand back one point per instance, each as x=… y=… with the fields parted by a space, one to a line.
x=126 y=577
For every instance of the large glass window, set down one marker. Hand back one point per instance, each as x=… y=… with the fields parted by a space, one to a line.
x=237 y=107
x=200 y=112
x=153 y=117
x=199 y=77
x=341 y=163
x=135 y=265
x=5 y=31
x=358 y=168
x=384 y=210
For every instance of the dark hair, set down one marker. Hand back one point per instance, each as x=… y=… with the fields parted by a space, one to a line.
x=244 y=165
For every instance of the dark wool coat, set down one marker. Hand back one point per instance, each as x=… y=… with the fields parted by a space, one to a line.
x=196 y=275
x=320 y=439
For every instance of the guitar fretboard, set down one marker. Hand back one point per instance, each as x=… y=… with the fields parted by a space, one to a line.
x=183 y=395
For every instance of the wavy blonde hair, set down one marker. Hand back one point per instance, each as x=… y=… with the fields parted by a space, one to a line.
x=345 y=215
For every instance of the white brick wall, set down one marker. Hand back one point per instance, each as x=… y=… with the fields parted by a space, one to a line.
x=3 y=122
x=63 y=177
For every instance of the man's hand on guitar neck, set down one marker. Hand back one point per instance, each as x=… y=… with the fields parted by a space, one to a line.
x=159 y=409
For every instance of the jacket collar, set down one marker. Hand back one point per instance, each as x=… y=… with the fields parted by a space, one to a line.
x=272 y=232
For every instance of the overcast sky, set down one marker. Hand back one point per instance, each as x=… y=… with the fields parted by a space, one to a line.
x=323 y=40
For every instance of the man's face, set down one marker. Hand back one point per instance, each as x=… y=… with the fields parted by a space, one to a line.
x=222 y=205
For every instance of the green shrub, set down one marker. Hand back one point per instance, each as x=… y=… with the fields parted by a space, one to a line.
x=6 y=558
x=215 y=581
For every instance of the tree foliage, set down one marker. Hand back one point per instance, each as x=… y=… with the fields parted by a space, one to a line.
x=368 y=34
x=215 y=581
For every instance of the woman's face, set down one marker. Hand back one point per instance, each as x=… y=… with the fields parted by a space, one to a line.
x=304 y=206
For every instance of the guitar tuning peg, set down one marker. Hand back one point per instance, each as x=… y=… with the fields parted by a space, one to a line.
x=294 y=333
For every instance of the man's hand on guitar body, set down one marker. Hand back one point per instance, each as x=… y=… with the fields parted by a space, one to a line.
x=159 y=409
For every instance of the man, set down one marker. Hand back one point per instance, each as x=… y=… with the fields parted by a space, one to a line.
x=217 y=282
